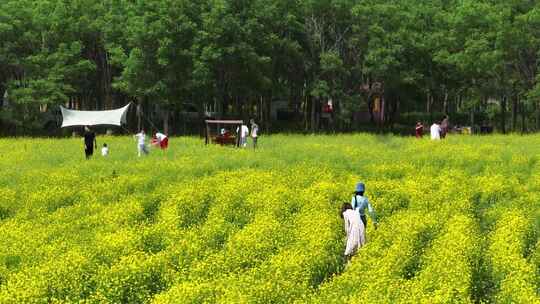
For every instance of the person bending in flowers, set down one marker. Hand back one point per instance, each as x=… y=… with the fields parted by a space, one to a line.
x=354 y=229
x=359 y=203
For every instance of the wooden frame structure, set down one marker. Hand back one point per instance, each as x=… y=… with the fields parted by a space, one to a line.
x=223 y=139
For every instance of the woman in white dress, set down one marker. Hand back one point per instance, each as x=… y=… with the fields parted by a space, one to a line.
x=354 y=228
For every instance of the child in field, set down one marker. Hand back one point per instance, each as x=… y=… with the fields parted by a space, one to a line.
x=141 y=145
x=435 y=131
x=354 y=228
x=105 y=150
x=359 y=203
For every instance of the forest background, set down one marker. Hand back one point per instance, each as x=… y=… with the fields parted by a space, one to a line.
x=383 y=64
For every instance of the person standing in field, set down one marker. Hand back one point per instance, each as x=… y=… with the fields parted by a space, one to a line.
x=163 y=140
x=360 y=203
x=243 y=132
x=419 y=130
x=435 y=131
x=105 y=150
x=254 y=133
x=89 y=142
x=354 y=229
x=444 y=126
x=141 y=145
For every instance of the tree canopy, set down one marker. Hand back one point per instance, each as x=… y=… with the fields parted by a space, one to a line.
x=399 y=61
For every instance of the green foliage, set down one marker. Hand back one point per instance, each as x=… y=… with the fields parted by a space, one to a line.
x=241 y=55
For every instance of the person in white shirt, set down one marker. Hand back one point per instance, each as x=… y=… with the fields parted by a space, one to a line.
x=141 y=146
x=354 y=229
x=243 y=132
x=163 y=140
x=254 y=132
x=435 y=131
x=105 y=150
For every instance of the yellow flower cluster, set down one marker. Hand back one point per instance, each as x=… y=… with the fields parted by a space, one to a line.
x=458 y=221
x=517 y=279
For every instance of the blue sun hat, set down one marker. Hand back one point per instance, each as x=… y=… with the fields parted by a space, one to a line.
x=360 y=187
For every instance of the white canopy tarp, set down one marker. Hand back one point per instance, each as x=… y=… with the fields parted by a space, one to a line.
x=93 y=118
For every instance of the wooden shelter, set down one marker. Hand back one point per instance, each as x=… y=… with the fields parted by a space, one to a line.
x=228 y=137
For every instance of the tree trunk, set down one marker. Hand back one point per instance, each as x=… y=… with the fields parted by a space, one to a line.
x=395 y=111
x=503 y=114
x=314 y=104
x=522 y=118
x=260 y=110
x=166 y=121
x=107 y=92
x=240 y=100
x=268 y=108
x=537 y=104
x=428 y=102
x=222 y=106
x=370 y=109
x=515 y=102
x=382 y=112
x=306 y=111
x=139 y=115
x=445 y=102
x=472 y=116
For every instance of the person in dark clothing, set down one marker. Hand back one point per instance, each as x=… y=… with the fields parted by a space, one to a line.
x=419 y=130
x=254 y=132
x=444 y=126
x=89 y=142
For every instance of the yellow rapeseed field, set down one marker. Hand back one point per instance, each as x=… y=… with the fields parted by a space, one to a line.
x=459 y=221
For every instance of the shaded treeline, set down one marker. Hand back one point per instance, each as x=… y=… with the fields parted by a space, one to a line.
x=388 y=59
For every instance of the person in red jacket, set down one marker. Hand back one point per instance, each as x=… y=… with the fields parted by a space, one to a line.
x=419 y=130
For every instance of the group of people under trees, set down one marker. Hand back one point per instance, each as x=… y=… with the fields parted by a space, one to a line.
x=160 y=140
x=355 y=220
x=243 y=132
x=438 y=130
x=90 y=143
